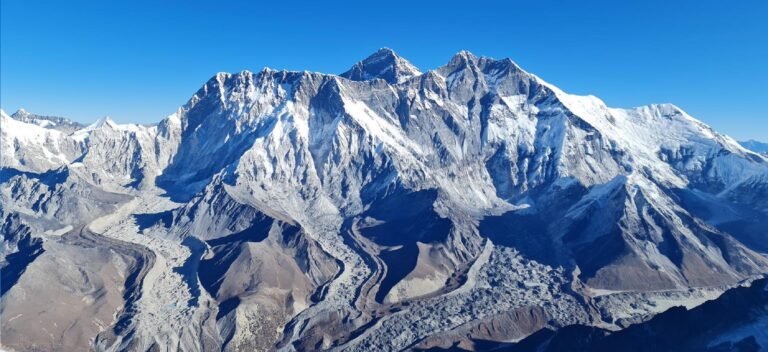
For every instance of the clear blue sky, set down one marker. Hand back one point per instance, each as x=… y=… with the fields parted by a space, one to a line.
x=137 y=61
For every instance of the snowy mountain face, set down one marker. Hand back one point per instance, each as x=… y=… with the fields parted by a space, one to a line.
x=383 y=208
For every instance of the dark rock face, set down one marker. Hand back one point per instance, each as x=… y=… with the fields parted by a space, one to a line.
x=26 y=248
x=736 y=321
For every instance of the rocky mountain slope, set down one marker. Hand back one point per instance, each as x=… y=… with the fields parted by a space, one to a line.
x=384 y=208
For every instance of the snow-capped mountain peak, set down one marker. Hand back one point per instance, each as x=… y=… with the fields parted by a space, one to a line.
x=383 y=64
x=104 y=121
x=21 y=113
x=463 y=57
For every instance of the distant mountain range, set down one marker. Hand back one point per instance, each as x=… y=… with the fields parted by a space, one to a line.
x=755 y=146
x=384 y=208
x=51 y=122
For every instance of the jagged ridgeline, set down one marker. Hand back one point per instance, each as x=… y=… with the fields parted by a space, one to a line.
x=468 y=207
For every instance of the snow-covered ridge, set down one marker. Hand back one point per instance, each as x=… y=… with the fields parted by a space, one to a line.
x=50 y=122
x=30 y=147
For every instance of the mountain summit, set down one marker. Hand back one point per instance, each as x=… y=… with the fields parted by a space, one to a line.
x=383 y=64
x=282 y=210
x=50 y=122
